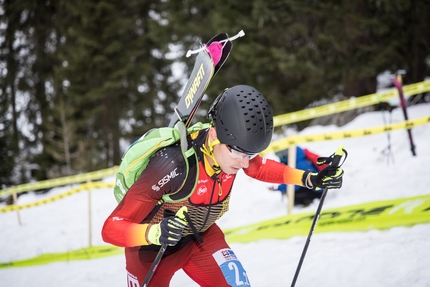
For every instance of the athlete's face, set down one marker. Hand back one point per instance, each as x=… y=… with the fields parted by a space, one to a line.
x=229 y=160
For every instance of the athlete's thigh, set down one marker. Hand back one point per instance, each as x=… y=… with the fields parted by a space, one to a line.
x=213 y=263
x=138 y=264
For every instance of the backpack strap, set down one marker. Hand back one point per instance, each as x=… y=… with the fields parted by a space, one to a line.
x=192 y=167
x=183 y=136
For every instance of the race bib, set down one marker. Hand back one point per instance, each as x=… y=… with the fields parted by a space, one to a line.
x=233 y=271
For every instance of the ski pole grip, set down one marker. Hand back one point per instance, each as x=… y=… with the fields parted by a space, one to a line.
x=338 y=154
x=181 y=212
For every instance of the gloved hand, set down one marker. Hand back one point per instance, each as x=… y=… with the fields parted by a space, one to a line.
x=169 y=230
x=329 y=177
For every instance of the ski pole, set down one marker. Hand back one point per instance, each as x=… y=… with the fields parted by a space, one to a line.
x=397 y=81
x=160 y=253
x=335 y=162
x=388 y=150
x=154 y=265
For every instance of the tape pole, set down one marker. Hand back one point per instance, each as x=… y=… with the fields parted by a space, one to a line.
x=90 y=219
x=292 y=155
x=397 y=81
x=15 y=202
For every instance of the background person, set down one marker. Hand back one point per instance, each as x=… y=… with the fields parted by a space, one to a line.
x=305 y=160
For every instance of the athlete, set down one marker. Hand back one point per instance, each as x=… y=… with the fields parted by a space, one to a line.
x=241 y=127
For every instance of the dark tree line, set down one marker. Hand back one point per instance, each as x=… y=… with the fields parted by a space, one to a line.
x=80 y=80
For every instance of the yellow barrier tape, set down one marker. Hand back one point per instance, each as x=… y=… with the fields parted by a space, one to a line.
x=295 y=140
x=350 y=104
x=82 y=187
x=342 y=106
x=362 y=217
x=80 y=254
x=374 y=215
x=89 y=176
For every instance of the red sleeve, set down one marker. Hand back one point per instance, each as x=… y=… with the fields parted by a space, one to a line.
x=124 y=226
x=312 y=157
x=268 y=170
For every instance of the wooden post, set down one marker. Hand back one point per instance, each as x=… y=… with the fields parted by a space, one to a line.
x=90 y=228
x=292 y=154
x=15 y=202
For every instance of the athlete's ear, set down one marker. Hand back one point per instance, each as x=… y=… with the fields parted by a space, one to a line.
x=212 y=134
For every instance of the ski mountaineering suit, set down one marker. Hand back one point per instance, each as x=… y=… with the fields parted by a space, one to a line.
x=203 y=254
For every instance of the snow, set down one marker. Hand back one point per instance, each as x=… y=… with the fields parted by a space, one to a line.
x=394 y=257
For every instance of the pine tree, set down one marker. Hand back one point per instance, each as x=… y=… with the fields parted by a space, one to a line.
x=114 y=60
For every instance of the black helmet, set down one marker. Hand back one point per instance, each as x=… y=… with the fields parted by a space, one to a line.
x=242 y=119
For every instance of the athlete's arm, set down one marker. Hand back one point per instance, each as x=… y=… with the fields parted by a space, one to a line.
x=268 y=170
x=124 y=226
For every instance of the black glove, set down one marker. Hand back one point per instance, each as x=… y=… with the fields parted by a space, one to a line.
x=169 y=230
x=329 y=177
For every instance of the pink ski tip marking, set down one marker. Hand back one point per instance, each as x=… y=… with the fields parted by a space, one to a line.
x=215 y=49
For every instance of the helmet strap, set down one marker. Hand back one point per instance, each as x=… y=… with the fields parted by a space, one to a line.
x=208 y=149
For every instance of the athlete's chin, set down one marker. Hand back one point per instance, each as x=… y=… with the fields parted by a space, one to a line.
x=233 y=170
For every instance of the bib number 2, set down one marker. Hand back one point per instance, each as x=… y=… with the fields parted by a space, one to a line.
x=233 y=271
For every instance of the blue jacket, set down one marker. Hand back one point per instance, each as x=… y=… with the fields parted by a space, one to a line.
x=302 y=162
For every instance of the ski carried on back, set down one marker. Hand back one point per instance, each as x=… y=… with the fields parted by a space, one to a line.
x=210 y=58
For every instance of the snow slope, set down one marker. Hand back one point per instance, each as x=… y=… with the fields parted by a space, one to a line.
x=395 y=257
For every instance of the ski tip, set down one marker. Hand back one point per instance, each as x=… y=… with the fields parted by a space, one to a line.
x=215 y=50
x=238 y=35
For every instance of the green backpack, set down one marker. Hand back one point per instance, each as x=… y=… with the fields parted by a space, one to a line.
x=137 y=156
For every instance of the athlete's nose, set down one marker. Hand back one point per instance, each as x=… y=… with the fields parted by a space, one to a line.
x=244 y=163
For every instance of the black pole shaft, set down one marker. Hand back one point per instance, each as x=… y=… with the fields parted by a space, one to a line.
x=154 y=265
x=308 y=240
x=398 y=85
